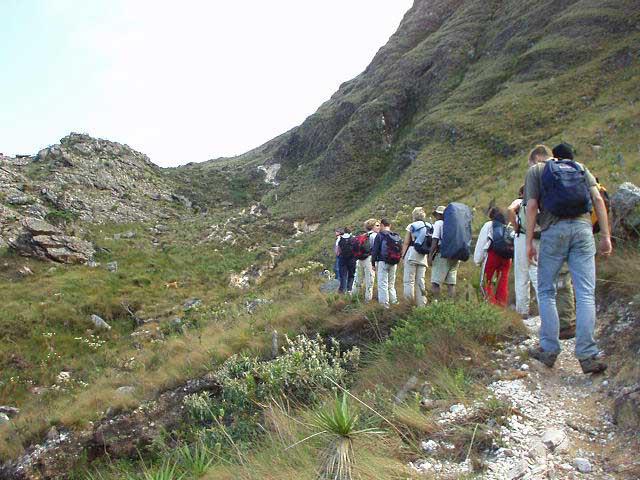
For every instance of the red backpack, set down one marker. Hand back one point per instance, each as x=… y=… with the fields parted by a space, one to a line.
x=361 y=246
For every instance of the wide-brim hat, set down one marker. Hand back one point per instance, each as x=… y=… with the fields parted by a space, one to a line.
x=439 y=209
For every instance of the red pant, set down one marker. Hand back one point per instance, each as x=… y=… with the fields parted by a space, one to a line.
x=498 y=267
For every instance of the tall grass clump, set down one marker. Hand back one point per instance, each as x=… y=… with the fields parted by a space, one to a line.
x=340 y=423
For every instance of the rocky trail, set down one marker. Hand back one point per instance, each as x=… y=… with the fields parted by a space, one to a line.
x=561 y=427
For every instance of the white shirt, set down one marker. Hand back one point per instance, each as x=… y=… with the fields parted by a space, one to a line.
x=484 y=242
x=437 y=229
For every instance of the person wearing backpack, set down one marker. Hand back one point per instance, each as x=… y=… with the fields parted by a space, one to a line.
x=339 y=231
x=494 y=251
x=526 y=273
x=443 y=270
x=365 y=273
x=415 y=249
x=385 y=255
x=560 y=195
x=346 y=262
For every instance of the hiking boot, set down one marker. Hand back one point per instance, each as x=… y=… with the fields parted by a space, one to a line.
x=546 y=358
x=592 y=365
x=567 y=333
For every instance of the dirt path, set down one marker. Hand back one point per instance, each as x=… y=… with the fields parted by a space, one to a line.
x=564 y=429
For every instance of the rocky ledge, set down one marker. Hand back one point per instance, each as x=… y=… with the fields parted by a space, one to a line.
x=42 y=240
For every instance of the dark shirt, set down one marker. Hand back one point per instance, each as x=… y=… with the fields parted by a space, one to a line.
x=377 y=246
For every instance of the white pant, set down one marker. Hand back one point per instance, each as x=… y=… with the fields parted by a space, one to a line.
x=366 y=274
x=386 y=283
x=413 y=281
x=525 y=273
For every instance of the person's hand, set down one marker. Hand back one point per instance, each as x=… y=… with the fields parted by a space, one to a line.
x=605 y=246
x=532 y=253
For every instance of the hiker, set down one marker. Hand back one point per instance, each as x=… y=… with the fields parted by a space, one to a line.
x=415 y=249
x=365 y=273
x=494 y=251
x=526 y=273
x=385 y=255
x=346 y=262
x=559 y=196
x=443 y=270
x=339 y=231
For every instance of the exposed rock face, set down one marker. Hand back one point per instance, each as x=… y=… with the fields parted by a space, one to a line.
x=85 y=179
x=625 y=209
x=42 y=240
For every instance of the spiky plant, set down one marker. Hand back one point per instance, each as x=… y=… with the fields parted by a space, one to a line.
x=196 y=459
x=339 y=422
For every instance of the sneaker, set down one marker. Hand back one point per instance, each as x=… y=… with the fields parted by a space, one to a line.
x=567 y=333
x=592 y=365
x=546 y=358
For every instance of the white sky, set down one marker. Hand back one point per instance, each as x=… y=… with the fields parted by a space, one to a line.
x=183 y=81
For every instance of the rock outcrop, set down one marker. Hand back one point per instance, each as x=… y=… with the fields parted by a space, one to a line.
x=88 y=180
x=625 y=209
x=42 y=240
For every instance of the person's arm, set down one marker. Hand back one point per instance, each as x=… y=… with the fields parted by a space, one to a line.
x=532 y=214
x=481 y=245
x=435 y=243
x=375 y=251
x=406 y=244
x=603 y=220
x=513 y=210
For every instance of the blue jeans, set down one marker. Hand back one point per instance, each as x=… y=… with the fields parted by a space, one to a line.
x=347 y=268
x=568 y=241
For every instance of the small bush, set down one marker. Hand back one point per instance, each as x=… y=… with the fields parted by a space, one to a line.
x=477 y=321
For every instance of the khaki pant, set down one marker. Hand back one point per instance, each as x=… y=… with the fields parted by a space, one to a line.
x=365 y=275
x=413 y=282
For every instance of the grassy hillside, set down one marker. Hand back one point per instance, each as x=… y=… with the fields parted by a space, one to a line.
x=455 y=100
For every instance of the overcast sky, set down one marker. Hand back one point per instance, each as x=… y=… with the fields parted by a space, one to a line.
x=180 y=81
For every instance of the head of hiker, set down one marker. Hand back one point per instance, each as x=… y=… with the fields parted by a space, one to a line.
x=563 y=152
x=496 y=214
x=439 y=212
x=539 y=153
x=418 y=214
x=372 y=225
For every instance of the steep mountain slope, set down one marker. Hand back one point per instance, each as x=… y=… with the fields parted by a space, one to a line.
x=454 y=100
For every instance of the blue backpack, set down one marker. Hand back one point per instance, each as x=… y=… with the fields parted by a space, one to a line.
x=565 y=192
x=456 y=232
x=502 y=242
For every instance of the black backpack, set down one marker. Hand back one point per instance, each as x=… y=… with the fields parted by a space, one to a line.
x=422 y=243
x=346 y=248
x=502 y=243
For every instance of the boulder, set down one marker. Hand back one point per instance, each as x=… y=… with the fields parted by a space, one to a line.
x=625 y=211
x=9 y=411
x=555 y=440
x=583 y=465
x=4 y=418
x=99 y=322
x=112 y=267
x=36 y=226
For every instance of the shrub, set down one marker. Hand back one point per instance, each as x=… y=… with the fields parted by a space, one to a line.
x=477 y=321
x=306 y=368
x=305 y=371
